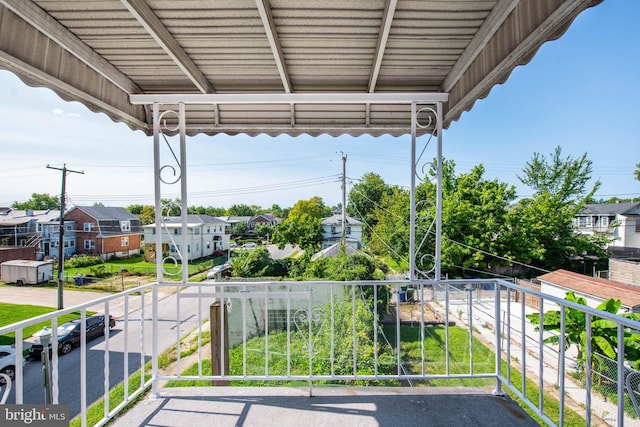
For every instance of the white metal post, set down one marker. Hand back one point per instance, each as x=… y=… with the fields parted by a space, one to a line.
x=438 y=271
x=412 y=202
x=158 y=219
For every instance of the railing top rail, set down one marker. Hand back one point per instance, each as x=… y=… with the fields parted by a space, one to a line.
x=34 y=320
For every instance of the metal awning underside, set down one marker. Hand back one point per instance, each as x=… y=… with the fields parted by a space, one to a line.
x=101 y=52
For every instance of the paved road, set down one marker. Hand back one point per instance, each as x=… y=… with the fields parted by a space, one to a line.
x=140 y=336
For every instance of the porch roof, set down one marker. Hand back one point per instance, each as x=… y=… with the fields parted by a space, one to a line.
x=101 y=52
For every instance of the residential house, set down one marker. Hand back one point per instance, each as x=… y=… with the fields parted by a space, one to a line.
x=205 y=234
x=332 y=231
x=592 y=289
x=619 y=221
x=49 y=232
x=265 y=218
x=19 y=227
x=107 y=232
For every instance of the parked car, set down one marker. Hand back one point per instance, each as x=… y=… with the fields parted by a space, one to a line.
x=7 y=363
x=69 y=335
x=249 y=245
x=233 y=245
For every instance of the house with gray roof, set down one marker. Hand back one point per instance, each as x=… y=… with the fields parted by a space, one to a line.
x=332 y=231
x=619 y=221
x=107 y=232
x=205 y=235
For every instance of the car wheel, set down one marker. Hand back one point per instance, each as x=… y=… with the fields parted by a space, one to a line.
x=8 y=370
x=66 y=348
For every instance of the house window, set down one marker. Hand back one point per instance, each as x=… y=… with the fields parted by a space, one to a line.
x=348 y=230
x=125 y=226
x=68 y=227
x=604 y=221
x=208 y=230
x=87 y=227
x=637 y=225
x=197 y=230
x=173 y=249
x=333 y=229
x=39 y=228
x=72 y=243
x=124 y=241
x=177 y=231
x=89 y=244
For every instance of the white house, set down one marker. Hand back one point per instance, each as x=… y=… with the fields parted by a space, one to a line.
x=205 y=235
x=620 y=221
x=332 y=231
x=592 y=289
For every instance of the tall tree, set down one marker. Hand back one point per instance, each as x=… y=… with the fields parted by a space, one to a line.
x=303 y=226
x=637 y=172
x=240 y=210
x=365 y=198
x=564 y=178
x=38 y=201
x=544 y=222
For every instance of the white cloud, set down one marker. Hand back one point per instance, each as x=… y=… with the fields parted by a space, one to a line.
x=57 y=111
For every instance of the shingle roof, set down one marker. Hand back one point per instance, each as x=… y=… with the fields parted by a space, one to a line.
x=599 y=288
x=107 y=213
x=611 y=208
x=337 y=220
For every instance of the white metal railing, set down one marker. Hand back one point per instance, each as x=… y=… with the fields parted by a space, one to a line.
x=396 y=332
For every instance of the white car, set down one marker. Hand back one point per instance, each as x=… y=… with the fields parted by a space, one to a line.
x=249 y=245
x=7 y=363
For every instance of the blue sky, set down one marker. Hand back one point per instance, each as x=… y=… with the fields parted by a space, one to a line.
x=580 y=92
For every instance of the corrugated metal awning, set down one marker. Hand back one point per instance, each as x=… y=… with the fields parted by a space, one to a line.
x=101 y=52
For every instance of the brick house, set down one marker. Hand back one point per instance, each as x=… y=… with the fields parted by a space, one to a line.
x=107 y=232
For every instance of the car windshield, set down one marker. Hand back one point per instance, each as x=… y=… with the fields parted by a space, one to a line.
x=66 y=328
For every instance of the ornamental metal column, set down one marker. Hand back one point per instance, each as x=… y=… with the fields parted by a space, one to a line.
x=423 y=264
x=171 y=173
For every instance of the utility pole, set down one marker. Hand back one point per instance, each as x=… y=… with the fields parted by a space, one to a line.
x=344 y=200
x=64 y=171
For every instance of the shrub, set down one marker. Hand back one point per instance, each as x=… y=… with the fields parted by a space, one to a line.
x=82 y=261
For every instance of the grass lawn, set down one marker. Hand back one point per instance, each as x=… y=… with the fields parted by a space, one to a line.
x=435 y=362
x=12 y=313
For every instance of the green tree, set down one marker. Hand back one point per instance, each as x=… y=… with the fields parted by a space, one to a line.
x=543 y=224
x=263 y=229
x=38 y=201
x=302 y=229
x=241 y=210
x=390 y=235
x=240 y=228
x=303 y=226
x=637 y=172
x=253 y=263
x=564 y=178
x=365 y=198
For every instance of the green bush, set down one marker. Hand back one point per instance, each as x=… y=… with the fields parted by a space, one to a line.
x=82 y=261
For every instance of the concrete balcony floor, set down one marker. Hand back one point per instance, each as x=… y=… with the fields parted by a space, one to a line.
x=329 y=406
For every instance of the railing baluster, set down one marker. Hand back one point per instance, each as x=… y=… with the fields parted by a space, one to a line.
x=621 y=377
x=541 y=359
x=562 y=362
x=588 y=360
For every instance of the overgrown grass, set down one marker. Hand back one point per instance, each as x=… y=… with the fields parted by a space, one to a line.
x=13 y=313
x=434 y=355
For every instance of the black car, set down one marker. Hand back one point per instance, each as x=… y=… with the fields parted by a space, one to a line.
x=69 y=335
